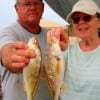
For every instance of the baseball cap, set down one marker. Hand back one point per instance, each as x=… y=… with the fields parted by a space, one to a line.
x=84 y=6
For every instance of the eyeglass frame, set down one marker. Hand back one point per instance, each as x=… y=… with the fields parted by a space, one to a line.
x=85 y=18
x=91 y=16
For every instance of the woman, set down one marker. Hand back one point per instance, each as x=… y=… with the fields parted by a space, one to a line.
x=82 y=76
x=83 y=58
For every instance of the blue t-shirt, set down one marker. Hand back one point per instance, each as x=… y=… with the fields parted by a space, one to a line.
x=12 y=84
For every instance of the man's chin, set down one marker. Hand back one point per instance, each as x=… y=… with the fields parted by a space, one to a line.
x=32 y=22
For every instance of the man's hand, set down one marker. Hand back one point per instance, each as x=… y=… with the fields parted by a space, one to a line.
x=60 y=34
x=15 y=56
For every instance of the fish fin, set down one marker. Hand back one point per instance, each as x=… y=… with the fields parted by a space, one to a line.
x=63 y=87
x=35 y=88
x=58 y=66
x=49 y=86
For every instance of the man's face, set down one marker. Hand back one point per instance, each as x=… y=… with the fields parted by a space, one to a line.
x=29 y=11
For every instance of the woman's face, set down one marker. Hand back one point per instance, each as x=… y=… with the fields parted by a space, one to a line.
x=84 y=25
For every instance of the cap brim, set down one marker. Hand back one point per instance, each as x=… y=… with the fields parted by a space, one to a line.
x=69 y=16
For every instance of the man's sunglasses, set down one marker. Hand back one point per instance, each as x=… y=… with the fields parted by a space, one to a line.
x=85 y=18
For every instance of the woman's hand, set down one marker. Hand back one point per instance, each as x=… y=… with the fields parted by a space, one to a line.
x=61 y=35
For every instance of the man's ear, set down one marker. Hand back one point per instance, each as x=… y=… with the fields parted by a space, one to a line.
x=43 y=7
x=15 y=6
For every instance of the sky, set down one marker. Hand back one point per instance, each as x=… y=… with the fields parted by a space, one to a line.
x=8 y=14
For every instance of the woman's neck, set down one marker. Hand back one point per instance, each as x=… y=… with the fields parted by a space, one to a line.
x=89 y=45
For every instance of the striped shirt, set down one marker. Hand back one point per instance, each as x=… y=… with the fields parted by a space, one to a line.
x=82 y=76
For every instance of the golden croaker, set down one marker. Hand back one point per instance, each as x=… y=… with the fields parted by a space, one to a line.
x=32 y=70
x=54 y=68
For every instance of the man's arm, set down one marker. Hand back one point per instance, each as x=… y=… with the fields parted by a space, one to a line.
x=15 y=56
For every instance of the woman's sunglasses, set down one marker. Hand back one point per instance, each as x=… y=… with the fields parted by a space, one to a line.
x=85 y=18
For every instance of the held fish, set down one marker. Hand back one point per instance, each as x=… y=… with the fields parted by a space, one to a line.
x=54 y=67
x=32 y=70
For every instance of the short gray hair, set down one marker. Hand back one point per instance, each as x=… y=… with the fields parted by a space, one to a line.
x=17 y=1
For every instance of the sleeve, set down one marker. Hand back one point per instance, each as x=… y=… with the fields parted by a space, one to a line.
x=6 y=36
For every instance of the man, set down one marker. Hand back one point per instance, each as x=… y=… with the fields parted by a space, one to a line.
x=14 y=53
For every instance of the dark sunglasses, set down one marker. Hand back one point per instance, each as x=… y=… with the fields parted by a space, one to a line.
x=85 y=18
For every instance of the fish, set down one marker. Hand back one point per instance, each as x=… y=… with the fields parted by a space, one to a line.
x=54 y=67
x=31 y=72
